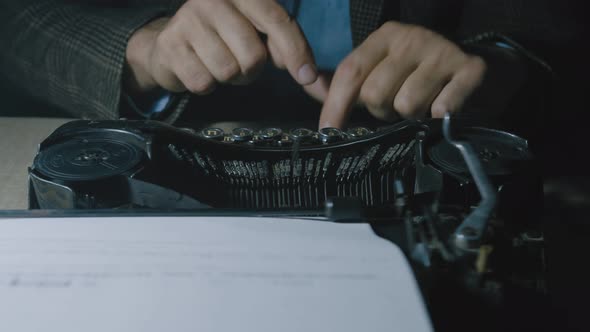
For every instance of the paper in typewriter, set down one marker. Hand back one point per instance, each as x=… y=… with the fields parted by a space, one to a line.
x=203 y=274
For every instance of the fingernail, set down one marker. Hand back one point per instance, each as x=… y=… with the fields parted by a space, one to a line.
x=307 y=74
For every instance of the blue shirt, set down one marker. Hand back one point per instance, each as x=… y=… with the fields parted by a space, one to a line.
x=326 y=25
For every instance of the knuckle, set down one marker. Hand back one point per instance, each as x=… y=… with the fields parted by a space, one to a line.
x=165 y=40
x=472 y=73
x=477 y=65
x=228 y=71
x=183 y=20
x=412 y=30
x=277 y=15
x=372 y=97
x=168 y=40
x=254 y=60
x=184 y=13
x=351 y=68
x=449 y=50
x=170 y=83
x=200 y=84
x=439 y=109
x=389 y=27
x=383 y=114
x=422 y=32
x=405 y=105
x=198 y=5
x=420 y=38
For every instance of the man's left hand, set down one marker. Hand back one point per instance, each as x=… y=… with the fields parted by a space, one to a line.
x=401 y=70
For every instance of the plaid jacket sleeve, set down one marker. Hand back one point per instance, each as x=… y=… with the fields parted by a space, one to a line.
x=365 y=17
x=71 y=53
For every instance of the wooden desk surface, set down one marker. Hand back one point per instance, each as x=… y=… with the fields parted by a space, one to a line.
x=19 y=138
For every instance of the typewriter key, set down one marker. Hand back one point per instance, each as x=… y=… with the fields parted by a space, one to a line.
x=268 y=134
x=302 y=134
x=213 y=133
x=330 y=135
x=242 y=134
x=358 y=132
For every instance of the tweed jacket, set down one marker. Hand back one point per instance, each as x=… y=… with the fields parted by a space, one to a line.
x=71 y=54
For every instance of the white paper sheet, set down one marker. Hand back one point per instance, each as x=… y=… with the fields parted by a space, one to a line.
x=202 y=274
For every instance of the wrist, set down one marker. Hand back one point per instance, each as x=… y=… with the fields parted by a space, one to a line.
x=137 y=77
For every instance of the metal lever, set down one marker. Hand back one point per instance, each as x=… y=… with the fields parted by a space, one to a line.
x=469 y=234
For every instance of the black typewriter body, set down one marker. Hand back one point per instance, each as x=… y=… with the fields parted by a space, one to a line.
x=114 y=164
x=459 y=199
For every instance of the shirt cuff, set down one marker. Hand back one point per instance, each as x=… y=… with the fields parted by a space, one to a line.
x=158 y=105
x=149 y=105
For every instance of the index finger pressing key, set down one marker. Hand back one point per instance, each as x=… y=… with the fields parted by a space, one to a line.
x=271 y=18
x=348 y=80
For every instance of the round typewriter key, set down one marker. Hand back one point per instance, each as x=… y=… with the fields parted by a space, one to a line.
x=212 y=133
x=330 y=135
x=242 y=134
x=270 y=134
x=302 y=134
x=358 y=132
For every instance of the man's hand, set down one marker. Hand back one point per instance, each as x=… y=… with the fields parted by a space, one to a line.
x=401 y=70
x=216 y=41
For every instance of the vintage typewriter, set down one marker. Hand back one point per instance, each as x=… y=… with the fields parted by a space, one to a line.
x=454 y=196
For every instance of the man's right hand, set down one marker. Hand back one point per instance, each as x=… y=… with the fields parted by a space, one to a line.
x=216 y=41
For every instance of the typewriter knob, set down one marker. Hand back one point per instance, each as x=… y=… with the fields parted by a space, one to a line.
x=242 y=134
x=213 y=133
x=302 y=134
x=269 y=134
x=358 y=132
x=330 y=135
